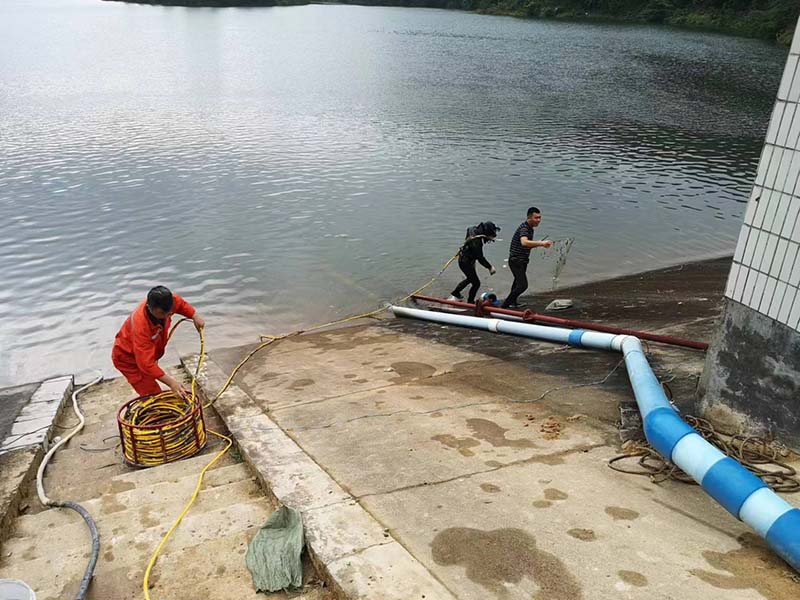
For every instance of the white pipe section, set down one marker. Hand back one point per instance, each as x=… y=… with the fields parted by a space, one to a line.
x=740 y=492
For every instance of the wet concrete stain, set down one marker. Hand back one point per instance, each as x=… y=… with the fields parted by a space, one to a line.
x=268 y=375
x=110 y=504
x=348 y=339
x=547 y=459
x=490 y=488
x=70 y=589
x=147 y=519
x=633 y=578
x=436 y=415
x=621 y=514
x=584 y=535
x=554 y=494
x=495 y=559
x=463 y=445
x=413 y=370
x=299 y=384
x=121 y=486
x=491 y=432
x=542 y=503
x=753 y=565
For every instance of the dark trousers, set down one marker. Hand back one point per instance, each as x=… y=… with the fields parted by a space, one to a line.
x=468 y=268
x=519 y=268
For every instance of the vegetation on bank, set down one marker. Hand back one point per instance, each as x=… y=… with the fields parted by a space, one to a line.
x=766 y=19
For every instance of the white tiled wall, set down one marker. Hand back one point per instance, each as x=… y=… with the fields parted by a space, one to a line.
x=766 y=266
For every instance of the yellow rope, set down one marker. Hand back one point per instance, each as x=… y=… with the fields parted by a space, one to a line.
x=270 y=339
x=228 y=444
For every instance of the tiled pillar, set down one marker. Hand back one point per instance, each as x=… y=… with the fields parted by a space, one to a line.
x=752 y=372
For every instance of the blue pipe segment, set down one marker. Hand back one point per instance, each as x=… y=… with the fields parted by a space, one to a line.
x=740 y=492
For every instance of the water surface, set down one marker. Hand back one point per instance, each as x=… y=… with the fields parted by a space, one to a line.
x=285 y=166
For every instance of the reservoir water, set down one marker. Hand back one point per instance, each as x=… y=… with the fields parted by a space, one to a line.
x=281 y=167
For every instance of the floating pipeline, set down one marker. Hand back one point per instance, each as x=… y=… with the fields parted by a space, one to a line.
x=530 y=316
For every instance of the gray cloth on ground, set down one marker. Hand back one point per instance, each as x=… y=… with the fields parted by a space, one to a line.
x=273 y=557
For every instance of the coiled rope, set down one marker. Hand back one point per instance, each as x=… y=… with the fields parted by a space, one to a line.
x=755 y=453
x=160 y=429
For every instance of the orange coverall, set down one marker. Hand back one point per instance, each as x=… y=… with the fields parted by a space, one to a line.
x=140 y=343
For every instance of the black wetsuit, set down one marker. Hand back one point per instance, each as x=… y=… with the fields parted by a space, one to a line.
x=470 y=253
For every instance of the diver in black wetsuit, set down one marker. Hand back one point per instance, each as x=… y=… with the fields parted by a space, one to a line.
x=472 y=252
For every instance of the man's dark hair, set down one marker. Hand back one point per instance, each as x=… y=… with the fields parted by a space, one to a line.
x=160 y=297
x=533 y=211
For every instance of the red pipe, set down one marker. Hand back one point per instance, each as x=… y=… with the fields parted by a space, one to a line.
x=529 y=315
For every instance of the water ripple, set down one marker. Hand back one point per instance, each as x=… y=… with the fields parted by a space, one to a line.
x=280 y=167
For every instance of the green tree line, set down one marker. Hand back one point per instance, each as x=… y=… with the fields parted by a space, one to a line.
x=767 y=19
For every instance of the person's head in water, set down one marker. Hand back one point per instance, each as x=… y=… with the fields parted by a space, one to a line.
x=534 y=216
x=159 y=302
x=488 y=229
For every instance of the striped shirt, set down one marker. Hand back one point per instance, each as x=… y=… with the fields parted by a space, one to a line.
x=517 y=250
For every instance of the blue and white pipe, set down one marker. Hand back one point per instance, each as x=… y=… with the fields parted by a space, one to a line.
x=740 y=492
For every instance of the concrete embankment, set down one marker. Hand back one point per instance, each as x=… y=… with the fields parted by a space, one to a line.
x=427 y=461
x=484 y=459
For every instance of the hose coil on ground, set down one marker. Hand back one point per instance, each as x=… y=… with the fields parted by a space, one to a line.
x=160 y=429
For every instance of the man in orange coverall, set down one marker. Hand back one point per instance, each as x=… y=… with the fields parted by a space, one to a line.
x=143 y=337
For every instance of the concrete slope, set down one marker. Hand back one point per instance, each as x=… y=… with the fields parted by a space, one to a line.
x=486 y=459
x=48 y=548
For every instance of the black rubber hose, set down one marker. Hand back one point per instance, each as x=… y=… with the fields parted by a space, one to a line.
x=89 y=572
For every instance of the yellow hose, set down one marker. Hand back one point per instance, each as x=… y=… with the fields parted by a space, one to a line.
x=159 y=403
x=228 y=443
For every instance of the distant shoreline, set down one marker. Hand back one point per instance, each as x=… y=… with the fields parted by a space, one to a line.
x=775 y=23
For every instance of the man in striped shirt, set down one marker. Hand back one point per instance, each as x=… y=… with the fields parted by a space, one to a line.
x=520 y=253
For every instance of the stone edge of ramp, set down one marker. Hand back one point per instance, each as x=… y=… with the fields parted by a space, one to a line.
x=23 y=449
x=350 y=549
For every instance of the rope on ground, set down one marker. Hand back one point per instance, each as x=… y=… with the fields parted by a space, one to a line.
x=228 y=443
x=575 y=385
x=268 y=340
x=86 y=448
x=755 y=453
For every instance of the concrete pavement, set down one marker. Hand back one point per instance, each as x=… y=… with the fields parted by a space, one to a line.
x=485 y=463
